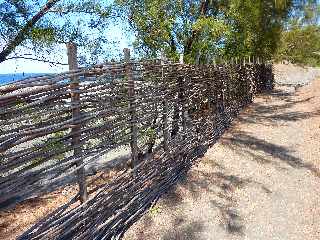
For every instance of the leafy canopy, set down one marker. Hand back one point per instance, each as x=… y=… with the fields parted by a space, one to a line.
x=204 y=29
x=300 y=40
x=42 y=24
x=300 y=45
x=200 y=29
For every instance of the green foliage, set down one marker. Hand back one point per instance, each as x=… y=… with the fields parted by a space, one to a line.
x=304 y=12
x=299 y=40
x=256 y=27
x=155 y=21
x=154 y=211
x=149 y=135
x=300 y=45
x=82 y=22
x=51 y=144
x=43 y=36
x=203 y=30
x=174 y=27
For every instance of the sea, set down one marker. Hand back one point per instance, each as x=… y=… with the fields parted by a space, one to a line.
x=11 y=77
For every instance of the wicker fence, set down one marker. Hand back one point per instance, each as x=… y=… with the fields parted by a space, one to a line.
x=159 y=116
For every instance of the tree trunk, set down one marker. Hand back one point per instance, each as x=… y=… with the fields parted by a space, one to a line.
x=195 y=33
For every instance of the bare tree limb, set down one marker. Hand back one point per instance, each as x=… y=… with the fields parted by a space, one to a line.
x=37 y=59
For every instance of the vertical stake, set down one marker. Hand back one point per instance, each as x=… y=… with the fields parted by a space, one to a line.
x=76 y=114
x=132 y=109
x=182 y=93
x=181 y=58
x=165 y=111
x=198 y=57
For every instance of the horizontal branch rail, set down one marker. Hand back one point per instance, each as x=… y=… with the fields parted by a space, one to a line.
x=57 y=129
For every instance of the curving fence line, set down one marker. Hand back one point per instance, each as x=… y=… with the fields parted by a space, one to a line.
x=159 y=116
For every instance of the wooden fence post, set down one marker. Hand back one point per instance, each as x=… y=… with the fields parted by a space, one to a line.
x=182 y=93
x=181 y=58
x=165 y=112
x=198 y=58
x=132 y=110
x=178 y=109
x=75 y=104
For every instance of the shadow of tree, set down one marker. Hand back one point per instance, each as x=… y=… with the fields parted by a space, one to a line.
x=220 y=185
x=269 y=114
x=197 y=182
x=187 y=232
x=231 y=219
x=286 y=92
x=243 y=142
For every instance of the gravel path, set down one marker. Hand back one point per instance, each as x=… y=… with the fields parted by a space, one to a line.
x=259 y=182
x=295 y=75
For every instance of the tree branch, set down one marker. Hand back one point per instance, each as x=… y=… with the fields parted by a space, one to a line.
x=36 y=59
x=23 y=33
x=194 y=34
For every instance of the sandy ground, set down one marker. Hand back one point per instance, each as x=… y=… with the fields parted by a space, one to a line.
x=260 y=181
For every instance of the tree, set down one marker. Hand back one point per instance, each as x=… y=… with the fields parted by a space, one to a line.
x=304 y=12
x=173 y=26
x=200 y=29
x=299 y=40
x=256 y=28
x=300 y=45
x=204 y=28
x=44 y=23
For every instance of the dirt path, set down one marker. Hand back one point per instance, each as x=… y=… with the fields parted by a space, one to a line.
x=260 y=181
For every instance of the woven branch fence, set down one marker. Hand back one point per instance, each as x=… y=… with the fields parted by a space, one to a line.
x=163 y=116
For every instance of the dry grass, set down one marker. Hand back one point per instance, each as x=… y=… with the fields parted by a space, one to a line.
x=15 y=221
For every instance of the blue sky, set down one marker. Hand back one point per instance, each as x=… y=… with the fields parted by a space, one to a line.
x=24 y=65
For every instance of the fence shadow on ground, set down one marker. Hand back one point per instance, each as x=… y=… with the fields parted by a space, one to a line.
x=212 y=180
x=197 y=182
x=231 y=219
x=194 y=184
